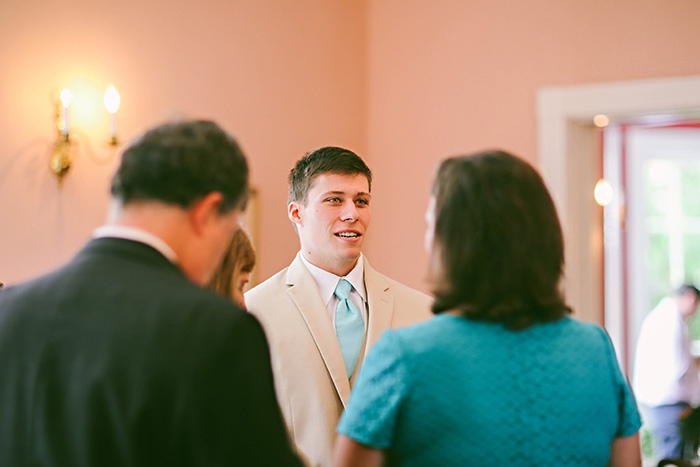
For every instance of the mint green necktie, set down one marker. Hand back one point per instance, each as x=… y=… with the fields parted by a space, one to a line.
x=349 y=326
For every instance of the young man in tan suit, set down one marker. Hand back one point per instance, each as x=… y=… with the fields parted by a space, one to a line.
x=324 y=312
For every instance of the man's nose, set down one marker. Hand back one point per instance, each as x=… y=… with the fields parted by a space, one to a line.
x=349 y=212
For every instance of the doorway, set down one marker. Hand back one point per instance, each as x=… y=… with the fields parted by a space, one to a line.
x=569 y=159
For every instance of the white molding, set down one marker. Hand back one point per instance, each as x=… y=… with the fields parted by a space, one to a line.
x=558 y=105
x=561 y=110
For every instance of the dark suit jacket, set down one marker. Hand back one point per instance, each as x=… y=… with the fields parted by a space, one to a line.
x=118 y=359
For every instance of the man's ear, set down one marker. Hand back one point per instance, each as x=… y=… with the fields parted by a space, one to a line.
x=294 y=212
x=204 y=211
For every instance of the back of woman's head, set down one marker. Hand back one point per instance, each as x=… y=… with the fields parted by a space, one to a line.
x=498 y=245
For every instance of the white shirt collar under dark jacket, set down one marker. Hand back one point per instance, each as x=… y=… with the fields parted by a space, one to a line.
x=137 y=235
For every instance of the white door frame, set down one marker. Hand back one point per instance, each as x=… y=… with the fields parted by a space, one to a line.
x=568 y=159
x=644 y=144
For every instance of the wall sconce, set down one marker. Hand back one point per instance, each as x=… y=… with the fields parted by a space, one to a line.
x=111 y=101
x=603 y=192
x=61 y=159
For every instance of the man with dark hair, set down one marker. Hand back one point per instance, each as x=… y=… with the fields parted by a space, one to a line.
x=665 y=371
x=121 y=357
x=324 y=312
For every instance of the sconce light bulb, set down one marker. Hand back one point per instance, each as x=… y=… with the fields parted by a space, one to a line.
x=112 y=100
x=601 y=121
x=66 y=97
x=603 y=192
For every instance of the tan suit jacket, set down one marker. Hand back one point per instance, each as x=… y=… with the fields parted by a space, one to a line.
x=310 y=376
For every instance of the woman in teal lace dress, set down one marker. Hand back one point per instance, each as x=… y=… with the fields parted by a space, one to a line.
x=502 y=375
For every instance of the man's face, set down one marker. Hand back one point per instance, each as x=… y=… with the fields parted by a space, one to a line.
x=688 y=303
x=333 y=222
x=694 y=305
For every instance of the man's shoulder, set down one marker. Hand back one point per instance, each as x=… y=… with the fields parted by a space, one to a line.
x=397 y=288
x=664 y=315
x=169 y=305
x=274 y=281
x=268 y=293
x=410 y=305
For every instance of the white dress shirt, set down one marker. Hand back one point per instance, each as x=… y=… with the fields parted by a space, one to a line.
x=137 y=235
x=327 y=282
x=665 y=371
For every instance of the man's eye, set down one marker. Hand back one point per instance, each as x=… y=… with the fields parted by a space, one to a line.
x=333 y=200
x=362 y=202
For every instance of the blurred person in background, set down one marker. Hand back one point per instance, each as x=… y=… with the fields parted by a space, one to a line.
x=665 y=371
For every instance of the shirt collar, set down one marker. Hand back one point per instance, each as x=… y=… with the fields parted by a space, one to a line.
x=327 y=281
x=137 y=235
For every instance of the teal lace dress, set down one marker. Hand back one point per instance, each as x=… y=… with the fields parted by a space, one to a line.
x=458 y=392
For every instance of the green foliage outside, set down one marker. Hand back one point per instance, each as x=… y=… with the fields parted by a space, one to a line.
x=661 y=193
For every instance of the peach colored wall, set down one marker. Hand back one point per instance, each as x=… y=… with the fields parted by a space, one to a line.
x=285 y=76
x=451 y=77
x=403 y=83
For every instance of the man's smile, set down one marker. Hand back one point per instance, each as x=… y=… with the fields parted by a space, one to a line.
x=347 y=234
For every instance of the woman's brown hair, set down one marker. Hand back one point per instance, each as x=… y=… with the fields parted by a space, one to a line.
x=239 y=258
x=498 y=244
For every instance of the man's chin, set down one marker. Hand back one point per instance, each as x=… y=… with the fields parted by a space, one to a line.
x=351 y=257
x=350 y=251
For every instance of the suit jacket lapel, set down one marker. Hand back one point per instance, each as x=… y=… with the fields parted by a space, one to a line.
x=304 y=293
x=381 y=305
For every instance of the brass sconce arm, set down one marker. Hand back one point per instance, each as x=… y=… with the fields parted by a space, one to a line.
x=60 y=158
x=61 y=154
